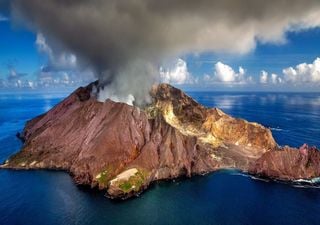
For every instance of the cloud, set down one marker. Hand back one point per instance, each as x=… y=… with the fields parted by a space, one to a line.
x=299 y=75
x=60 y=60
x=114 y=36
x=14 y=75
x=263 y=77
x=224 y=73
x=273 y=78
x=15 y=79
x=42 y=44
x=3 y=18
x=178 y=74
x=48 y=77
x=62 y=67
x=303 y=73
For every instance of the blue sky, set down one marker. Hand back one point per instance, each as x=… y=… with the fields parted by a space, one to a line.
x=300 y=47
x=18 y=50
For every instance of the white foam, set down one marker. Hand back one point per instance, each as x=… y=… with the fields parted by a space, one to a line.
x=315 y=180
x=276 y=129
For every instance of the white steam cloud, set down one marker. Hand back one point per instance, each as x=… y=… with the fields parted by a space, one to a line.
x=124 y=42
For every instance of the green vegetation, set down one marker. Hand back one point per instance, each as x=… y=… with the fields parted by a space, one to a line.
x=125 y=186
x=104 y=177
x=134 y=182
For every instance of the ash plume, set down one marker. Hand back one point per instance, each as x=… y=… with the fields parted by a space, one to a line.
x=125 y=41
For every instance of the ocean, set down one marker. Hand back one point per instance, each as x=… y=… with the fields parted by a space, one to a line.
x=221 y=198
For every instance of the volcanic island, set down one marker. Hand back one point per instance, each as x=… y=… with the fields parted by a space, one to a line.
x=122 y=149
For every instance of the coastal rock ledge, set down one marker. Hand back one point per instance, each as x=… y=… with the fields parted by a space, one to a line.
x=122 y=149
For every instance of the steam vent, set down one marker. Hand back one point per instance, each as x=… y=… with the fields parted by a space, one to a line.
x=122 y=149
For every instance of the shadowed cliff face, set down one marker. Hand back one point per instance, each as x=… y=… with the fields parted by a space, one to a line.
x=123 y=148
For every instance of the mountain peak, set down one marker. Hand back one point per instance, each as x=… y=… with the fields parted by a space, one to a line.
x=123 y=148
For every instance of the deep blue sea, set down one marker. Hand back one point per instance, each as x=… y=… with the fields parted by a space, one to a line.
x=225 y=197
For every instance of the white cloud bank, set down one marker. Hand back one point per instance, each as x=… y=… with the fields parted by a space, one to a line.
x=300 y=75
x=303 y=73
x=266 y=78
x=179 y=74
x=226 y=75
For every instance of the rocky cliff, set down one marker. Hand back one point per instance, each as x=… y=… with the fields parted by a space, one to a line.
x=122 y=148
x=288 y=164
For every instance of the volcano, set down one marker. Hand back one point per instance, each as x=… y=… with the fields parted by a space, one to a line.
x=122 y=148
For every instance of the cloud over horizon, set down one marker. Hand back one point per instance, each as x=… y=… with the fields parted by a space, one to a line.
x=223 y=74
x=269 y=79
x=117 y=37
x=303 y=73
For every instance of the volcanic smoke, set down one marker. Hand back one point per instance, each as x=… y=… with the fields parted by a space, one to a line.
x=125 y=42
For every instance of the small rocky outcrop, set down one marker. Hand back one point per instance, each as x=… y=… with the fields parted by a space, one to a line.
x=288 y=164
x=122 y=149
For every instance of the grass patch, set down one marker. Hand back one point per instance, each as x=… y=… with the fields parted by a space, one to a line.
x=104 y=177
x=134 y=183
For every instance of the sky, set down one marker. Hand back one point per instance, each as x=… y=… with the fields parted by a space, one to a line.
x=18 y=49
x=291 y=64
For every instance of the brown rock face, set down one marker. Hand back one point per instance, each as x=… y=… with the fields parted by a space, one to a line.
x=233 y=142
x=288 y=164
x=123 y=148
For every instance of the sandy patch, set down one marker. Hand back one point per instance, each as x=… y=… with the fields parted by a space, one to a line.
x=124 y=175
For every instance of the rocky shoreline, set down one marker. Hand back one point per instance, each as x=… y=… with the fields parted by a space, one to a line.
x=122 y=149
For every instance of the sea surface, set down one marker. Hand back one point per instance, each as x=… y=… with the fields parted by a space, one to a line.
x=225 y=197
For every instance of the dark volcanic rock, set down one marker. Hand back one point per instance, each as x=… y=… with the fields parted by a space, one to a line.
x=122 y=148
